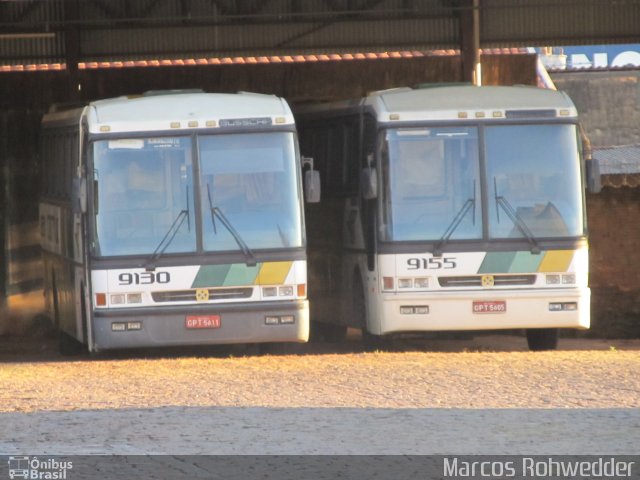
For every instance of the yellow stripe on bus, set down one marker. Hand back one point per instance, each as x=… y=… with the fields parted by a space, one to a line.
x=556 y=261
x=274 y=273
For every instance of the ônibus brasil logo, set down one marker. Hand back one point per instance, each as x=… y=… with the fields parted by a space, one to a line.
x=35 y=468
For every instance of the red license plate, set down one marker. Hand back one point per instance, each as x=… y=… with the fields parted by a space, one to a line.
x=493 y=306
x=202 y=321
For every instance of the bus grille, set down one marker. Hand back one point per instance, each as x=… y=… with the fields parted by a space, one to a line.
x=214 y=294
x=498 y=281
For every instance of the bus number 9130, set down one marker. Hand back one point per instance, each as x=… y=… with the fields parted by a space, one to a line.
x=144 y=278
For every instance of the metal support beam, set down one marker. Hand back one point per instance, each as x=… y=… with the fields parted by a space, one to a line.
x=470 y=41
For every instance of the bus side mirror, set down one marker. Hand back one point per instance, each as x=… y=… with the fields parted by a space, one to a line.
x=312 y=186
x=594 y=179
x=79 y=187
x=369 y=183
x=311 y=181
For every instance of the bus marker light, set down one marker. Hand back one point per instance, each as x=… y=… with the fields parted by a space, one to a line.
x=193 y=123
x=394 y=116
x=407 y=310
x=175 y=124
x=134 y=325
x=280 y=120
x=211 y=123
x=302 y=290
x=118 y=327
x=422 y=310
x=105 y=128
x=387 y=283
x=101 y=299
x=287 y=319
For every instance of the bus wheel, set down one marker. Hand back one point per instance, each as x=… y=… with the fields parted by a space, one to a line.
x=540 y=339
x=69 y=346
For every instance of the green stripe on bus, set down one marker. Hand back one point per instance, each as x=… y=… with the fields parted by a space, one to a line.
x=497 y=262
x=211 y=276
x=525 y=262
x=240 y=274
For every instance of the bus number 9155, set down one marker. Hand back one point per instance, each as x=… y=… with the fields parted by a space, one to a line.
x=431 y=263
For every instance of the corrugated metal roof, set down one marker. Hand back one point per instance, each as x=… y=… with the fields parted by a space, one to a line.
x=619 y=166
x=618 y=160
x=53 y=31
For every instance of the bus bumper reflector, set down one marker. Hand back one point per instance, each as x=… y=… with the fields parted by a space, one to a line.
x=414 y=310
x=279 y=319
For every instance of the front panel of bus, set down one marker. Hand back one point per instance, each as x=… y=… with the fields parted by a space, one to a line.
x=197 y=239
x=480 y=226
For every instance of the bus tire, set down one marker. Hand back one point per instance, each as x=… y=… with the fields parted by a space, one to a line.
x=541 y=339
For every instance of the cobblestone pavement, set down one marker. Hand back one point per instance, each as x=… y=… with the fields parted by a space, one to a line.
x=318 y=431
x=487 y=396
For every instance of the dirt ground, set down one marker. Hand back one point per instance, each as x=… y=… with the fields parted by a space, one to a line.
x=486 y=372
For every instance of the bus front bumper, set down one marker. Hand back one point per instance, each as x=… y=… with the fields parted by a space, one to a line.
x=484 y=310
x=167 y=326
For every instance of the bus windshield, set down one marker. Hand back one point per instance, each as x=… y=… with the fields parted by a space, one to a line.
x=145 y=193
x=432 y=189
x=249 y=191
x=147 y=196
x=533 y=171
x=431 y=184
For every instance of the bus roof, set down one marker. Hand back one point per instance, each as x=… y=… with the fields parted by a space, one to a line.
x=460 y=102
x=180 y=111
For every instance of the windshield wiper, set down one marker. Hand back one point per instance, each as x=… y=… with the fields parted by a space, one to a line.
x=169 y=236
x=469 y=204
x=515 y=218
x=250 y=259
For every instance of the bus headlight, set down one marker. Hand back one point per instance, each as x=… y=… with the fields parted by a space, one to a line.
x=286 y=291
x=422 y=282
x=117 y=299
x=569 y=279
x=553 y=279
x=269 y=292
x=122 y=299
x=134 y=298
x=405 y=283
